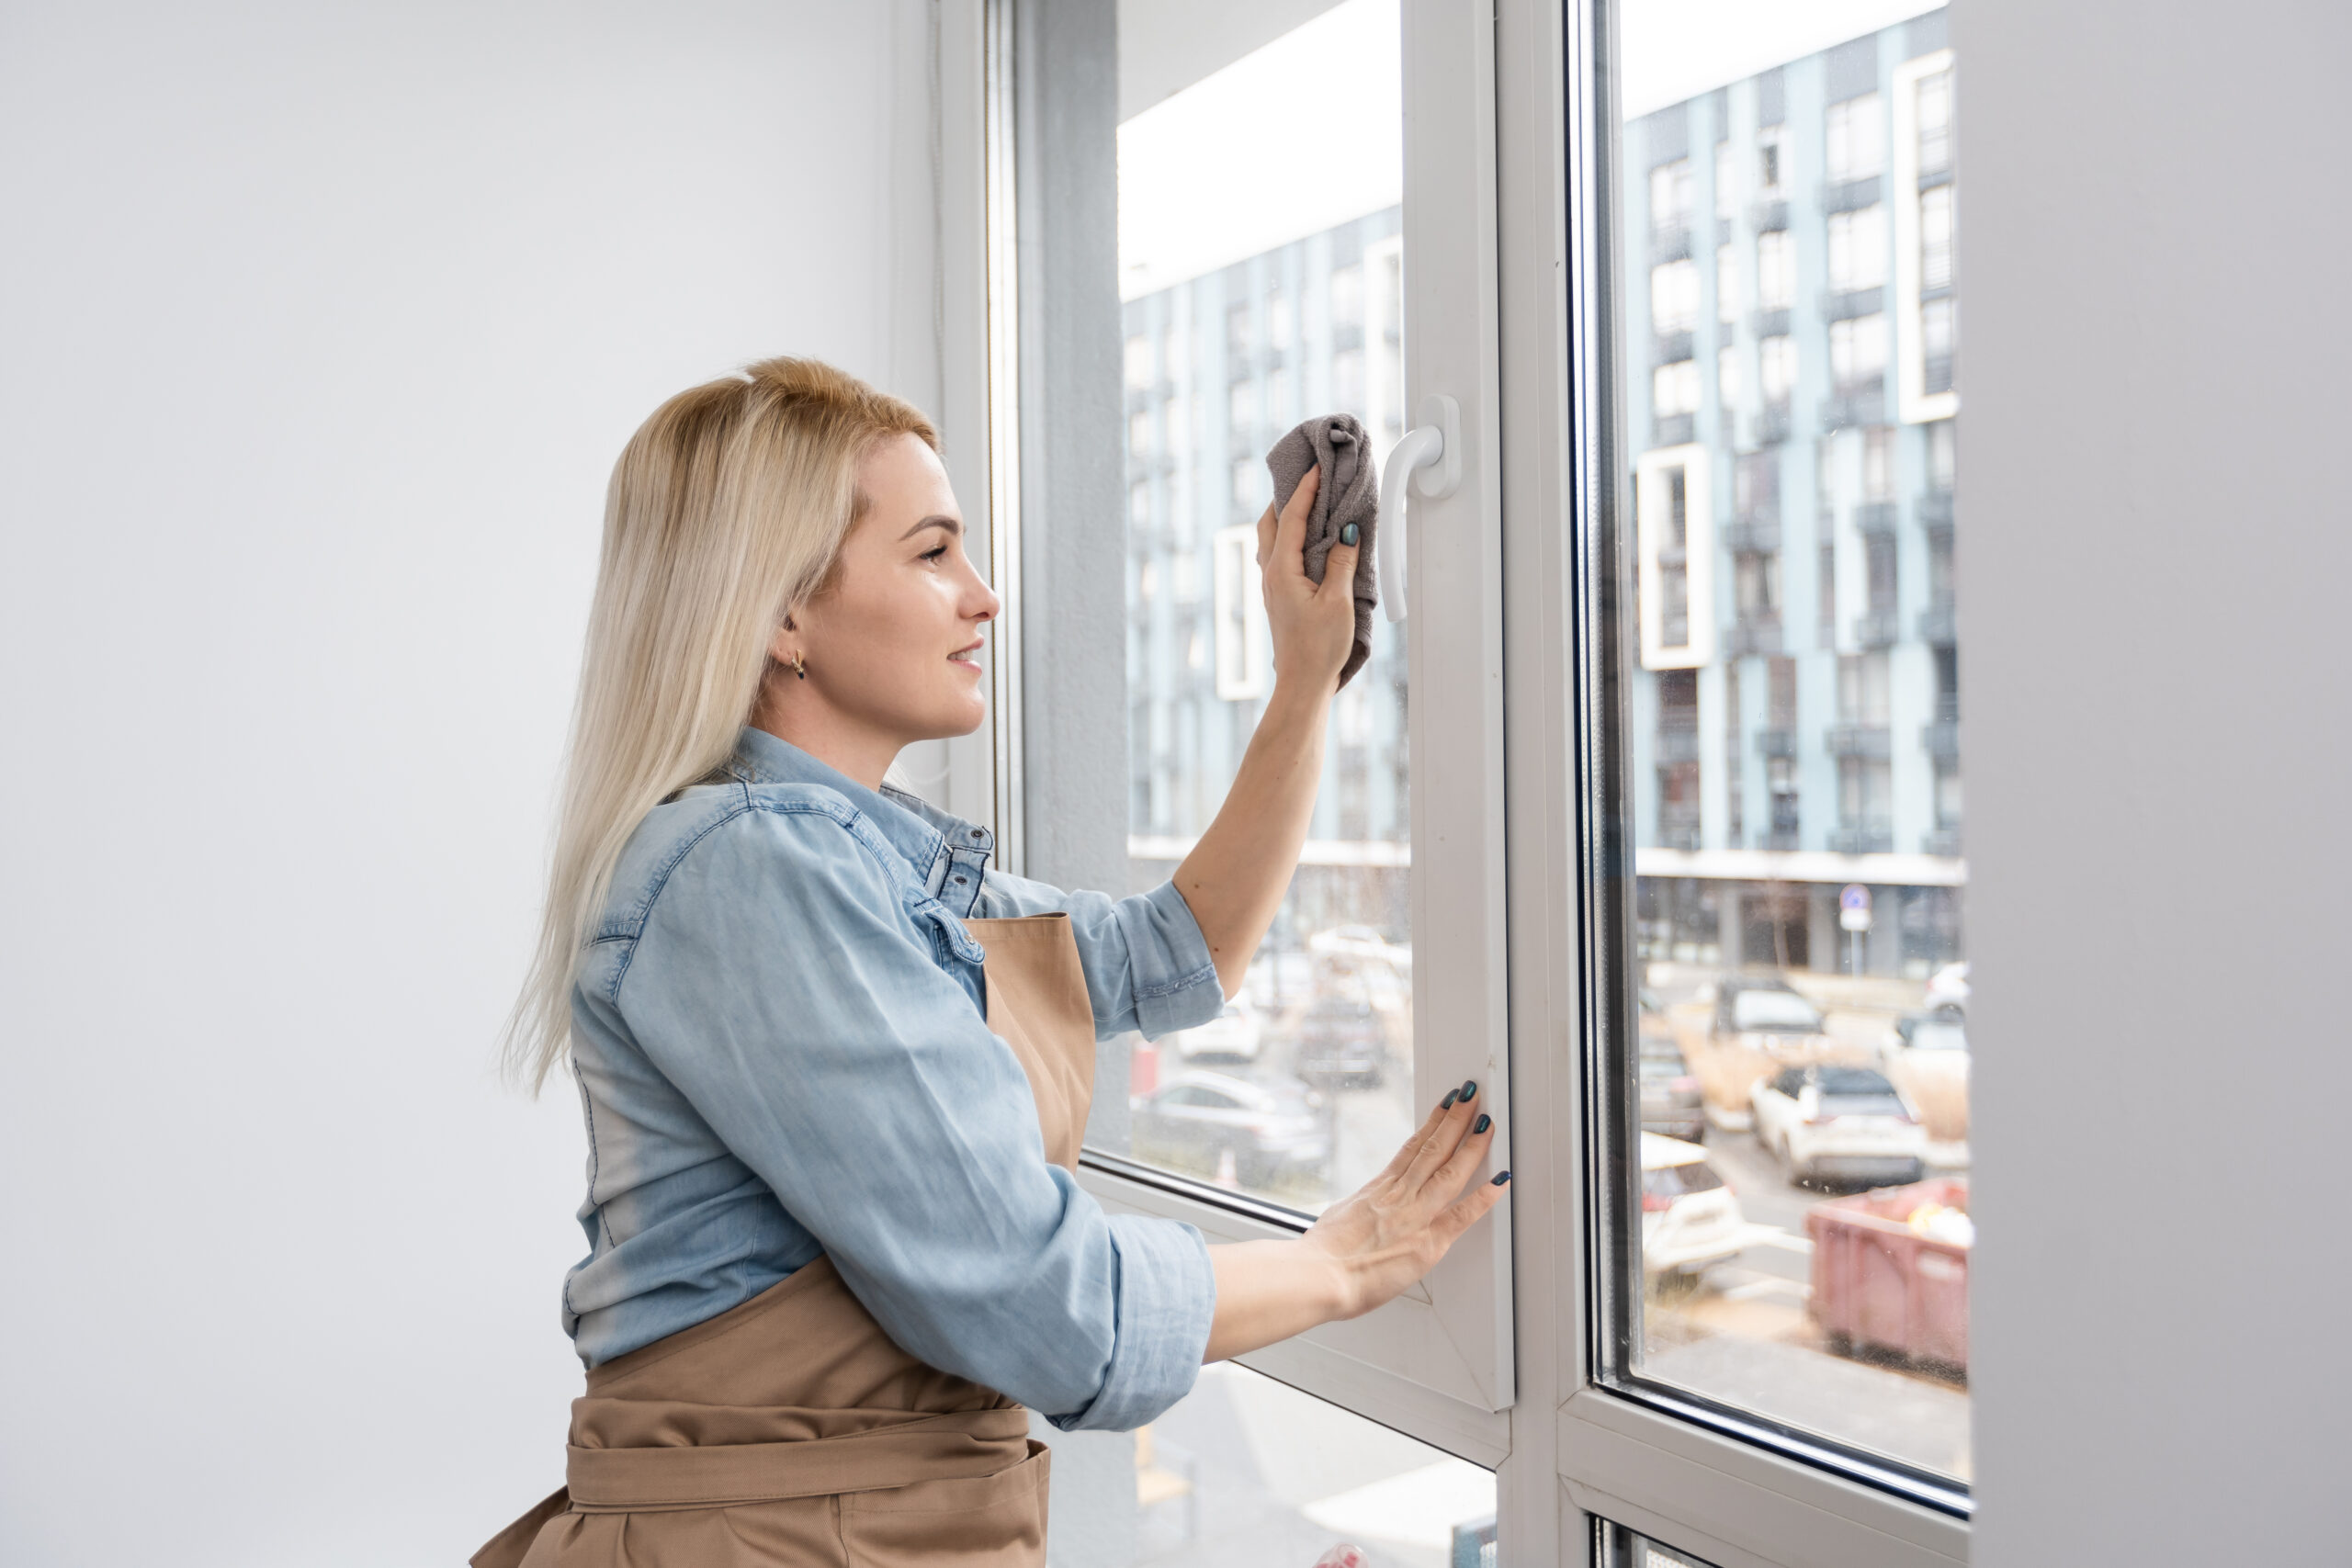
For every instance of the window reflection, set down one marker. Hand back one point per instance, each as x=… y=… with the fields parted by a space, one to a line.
x=1799 y=1071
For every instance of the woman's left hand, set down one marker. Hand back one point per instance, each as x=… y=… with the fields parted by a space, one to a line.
x=1314 y=624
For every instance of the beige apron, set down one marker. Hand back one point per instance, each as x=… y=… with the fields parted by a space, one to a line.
x=790 y=1429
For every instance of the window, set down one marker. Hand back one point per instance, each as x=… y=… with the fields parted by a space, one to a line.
x=1855 y=142
x=1139 y=433
x=1858 y=350
x=1776 y=368
x=1139 y=362
x=1934 y=100
x=1769 y=163
x=1675 y=388
x=1776 y=271
x=1243 y=666
x=1857 y=249
x=1241 y=412
x=1139 y=506
x=1347 y=295
x=1726 y=284
x=1670 y=196
x=1935 y=238
x=1278 y=325
x=1743 y=1327
x=1937 y=331
x=1727 y=376
x=1674 y=297
x=1727 y=181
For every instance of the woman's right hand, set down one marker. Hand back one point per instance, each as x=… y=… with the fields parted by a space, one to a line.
x=1391 y=1231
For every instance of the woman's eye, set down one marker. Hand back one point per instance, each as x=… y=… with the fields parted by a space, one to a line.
x=936 y=553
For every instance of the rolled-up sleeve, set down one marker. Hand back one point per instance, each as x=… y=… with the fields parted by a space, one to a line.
x=852 y=1074
x=1148 y=965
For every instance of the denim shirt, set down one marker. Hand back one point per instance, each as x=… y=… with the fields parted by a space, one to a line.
x=780 y=1040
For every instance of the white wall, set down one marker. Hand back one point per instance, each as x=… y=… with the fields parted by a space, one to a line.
x=323 y=327
x=2154 y=557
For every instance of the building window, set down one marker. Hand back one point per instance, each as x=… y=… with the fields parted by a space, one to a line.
x=1858 y=350
x=1776 y=271
x=1776 y=368
x=1246 y=472
x=1727 y=181
x=1728 y=284
x=1857 y=249
x=1936 y=238
x=1674 y=389
x=1674 y=297
x=1678 y=776
x=1943 y=454
x=1176 y=357
x=1756 y=581
x=1735 y=808
x=1755 y=485
x=1878 y=464
x=1670 y=196
x=1935 y=122
x=1241 y=635
x=1278 y=412
x=1856 y=139
x=1769 y=161
x=1240 y=336
x=1937 y=329
x=1347 y=294
x=1241 y=412
x=1139 y=362
x=1139 y=506
x=1728 y=378
x=1278 y=321
x=1138 y=434
x=1862 y=689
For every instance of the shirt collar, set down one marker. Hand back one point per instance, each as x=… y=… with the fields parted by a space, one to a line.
x=928 y=836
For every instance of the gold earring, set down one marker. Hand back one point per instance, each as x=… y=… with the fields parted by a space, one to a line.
x=799 y=670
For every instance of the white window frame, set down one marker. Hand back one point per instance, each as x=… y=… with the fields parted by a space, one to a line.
x=1914 y=403
x=1505 y=91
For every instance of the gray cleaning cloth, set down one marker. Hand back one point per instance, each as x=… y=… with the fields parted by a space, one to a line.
x=1350 y=493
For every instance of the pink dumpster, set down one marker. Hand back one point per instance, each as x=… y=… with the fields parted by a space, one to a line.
x=1890 y=1270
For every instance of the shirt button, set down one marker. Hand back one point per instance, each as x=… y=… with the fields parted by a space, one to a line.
x=959 y=879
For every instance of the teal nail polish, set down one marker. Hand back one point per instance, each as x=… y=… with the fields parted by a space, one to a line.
x=1450 y=1096
x=1482 y=1124
x=1349 y=534
x=1470 y=1088
x=1501 y=1178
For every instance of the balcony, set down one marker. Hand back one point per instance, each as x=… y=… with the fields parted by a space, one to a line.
x=1674 y=347
x=1935 y=511
x=1777 y=838
x=1758 y=534
x=1768 y=321
x=1772 y=423
x=1877 y=629
x=1942 y=737
x=1942 y=842
x=1850 y=195
x=1864 y=836
x=1670 y=241
x=1675 y=430
x=1759 y=635
x=1768 y=215
x=1875 y=517
x=1848 y=304
x=1861 y=402
x=1677 y=739
x=1935 y=373
x=1677 y=826
x=1858 y=740
x=1940 y=624
x=1776 y=740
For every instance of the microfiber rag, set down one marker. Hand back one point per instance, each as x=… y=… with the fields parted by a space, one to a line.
x=1350 y=492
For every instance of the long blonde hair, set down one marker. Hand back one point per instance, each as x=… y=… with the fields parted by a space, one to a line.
x=727 y=507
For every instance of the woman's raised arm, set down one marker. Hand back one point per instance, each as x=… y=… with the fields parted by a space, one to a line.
x=1235 y=878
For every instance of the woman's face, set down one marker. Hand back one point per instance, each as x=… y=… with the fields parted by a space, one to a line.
x=892 y=647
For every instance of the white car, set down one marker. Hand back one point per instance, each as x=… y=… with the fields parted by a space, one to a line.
x=1823 y=1121
x=1691 y=1221
x=1234 y=1036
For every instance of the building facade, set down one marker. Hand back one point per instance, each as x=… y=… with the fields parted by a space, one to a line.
x=1790 y=312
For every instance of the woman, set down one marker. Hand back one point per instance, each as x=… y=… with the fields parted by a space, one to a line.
x=834 y=1070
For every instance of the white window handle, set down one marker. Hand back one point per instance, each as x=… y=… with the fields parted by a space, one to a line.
x=1431 y=452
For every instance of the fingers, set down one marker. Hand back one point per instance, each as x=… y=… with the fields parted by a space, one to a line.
x=1470 y=1208
x=1265 y=536
x=1290 y=530
x=1444 y=1138
x=1403 y=1158
x=1467 y=1156
x=1340 y=570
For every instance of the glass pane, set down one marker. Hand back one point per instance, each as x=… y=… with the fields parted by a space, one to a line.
x=1622 y=1548
x=1253 y=299
x=1791 y=1146
x=1247 y=1472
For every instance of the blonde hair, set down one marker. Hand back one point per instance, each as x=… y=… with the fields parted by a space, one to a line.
x=727 y=507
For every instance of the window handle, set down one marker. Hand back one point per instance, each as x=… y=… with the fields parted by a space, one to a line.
x=1431 y=452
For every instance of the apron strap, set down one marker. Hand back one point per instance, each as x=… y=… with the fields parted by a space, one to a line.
x=959 y=1445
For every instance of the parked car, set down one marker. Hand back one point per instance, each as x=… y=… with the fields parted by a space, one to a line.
x=1234 y=1036
x=1341 y=1040
x=1199 y=1118
x=1926 y=1056
x=1947 y=986
x=1669 y=1092
x=1759 y=1024
x=1827 y=1120
x=1690 y=1219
